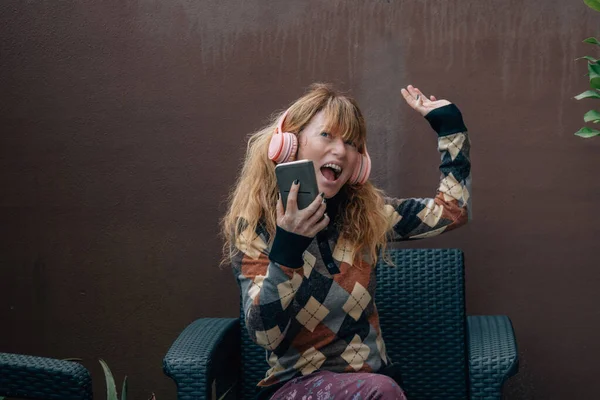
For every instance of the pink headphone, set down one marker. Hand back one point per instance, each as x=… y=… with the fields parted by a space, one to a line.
x=284 y=145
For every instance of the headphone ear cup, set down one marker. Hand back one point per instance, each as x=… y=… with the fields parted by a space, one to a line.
x=362 y=170
x=293 y=148
x=283 y=147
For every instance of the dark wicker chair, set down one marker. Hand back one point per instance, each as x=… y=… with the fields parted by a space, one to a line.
x=443 y=353
x=43 y=378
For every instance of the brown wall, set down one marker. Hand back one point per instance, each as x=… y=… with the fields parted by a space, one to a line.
x=123 y=126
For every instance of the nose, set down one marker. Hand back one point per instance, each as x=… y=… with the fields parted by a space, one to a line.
x=338 y=147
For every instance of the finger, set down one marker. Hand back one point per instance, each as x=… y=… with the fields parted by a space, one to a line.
x=292 y=200
x=418 y=102
x=315 y=205
x=412 y=90
x=322 y=224
x=420 y=99
x=318 y=214
x=421 y=96
x=409 y=97
x=280 y=210
x=433 y=98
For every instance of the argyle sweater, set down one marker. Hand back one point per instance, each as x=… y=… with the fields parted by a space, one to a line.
x=308 y=319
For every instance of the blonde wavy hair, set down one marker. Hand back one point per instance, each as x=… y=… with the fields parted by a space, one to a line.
x=254 y=197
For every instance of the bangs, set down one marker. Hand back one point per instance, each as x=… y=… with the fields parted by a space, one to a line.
x=344 y=119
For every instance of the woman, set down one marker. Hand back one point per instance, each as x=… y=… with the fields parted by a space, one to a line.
x=312 y=308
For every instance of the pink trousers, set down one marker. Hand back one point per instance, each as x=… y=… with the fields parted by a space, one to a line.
x=325 y=385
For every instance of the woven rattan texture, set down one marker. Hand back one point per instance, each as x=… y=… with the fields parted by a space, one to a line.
x=43 y=378
x=188 y=361
x=422 y=315
x=421 y=308
x=492 y=355
x=253 y=363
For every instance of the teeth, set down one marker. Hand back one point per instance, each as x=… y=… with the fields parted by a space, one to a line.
x=337 y=168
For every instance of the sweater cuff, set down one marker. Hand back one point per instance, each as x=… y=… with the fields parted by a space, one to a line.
x=446 y=120
x=288 y=247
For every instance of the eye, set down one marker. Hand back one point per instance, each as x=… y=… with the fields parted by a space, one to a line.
x=350 y=143
x=325 y=134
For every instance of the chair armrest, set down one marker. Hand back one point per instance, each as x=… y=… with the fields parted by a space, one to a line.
x=43 y=378
x=205 y=358
x=493 y=355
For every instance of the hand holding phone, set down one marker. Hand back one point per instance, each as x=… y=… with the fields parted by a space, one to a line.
x=300 y=209
x=302 y=171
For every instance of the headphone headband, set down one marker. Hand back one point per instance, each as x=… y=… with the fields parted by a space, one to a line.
x=281 y=121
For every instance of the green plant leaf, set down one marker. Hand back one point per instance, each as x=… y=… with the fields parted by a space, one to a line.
x=586 y=132
x=590 y=59
x=592 y=116
x=124 y=390
x=592 y=40
x=111 y=389
x=588 y=94
x=594 y=72
x=593 y=4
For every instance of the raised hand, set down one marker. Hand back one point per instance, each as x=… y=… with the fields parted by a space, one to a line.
x=420 y=102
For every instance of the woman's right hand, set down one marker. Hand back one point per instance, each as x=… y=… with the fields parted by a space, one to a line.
x=306 y=222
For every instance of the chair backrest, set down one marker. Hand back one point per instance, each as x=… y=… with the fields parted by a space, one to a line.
x=421 y=304
x=31 y=377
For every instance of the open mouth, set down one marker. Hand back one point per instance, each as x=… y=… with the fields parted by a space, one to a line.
x=331 y=172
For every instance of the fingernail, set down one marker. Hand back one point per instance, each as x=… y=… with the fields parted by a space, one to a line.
x=325 y=215
x=296 y=182
x=323 y=194
x=278 y=196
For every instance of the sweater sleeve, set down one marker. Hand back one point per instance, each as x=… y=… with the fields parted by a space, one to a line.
x=269 y=287
x=416 y=218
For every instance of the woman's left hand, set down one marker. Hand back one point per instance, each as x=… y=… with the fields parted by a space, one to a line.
x=420 y=102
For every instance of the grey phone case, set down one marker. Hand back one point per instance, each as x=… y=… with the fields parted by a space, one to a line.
x=302 y=170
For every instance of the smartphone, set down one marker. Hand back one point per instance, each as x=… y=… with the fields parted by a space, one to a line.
x=304 y=171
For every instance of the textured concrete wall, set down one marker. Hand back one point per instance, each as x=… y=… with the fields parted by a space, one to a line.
x=123 y=125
